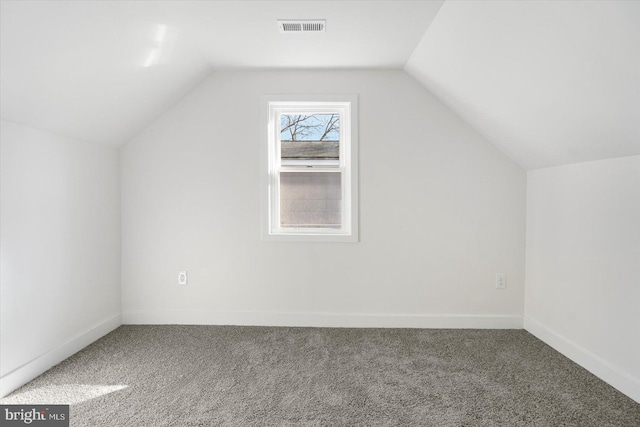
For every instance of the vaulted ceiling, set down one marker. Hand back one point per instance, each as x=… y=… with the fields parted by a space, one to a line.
x=547 y=82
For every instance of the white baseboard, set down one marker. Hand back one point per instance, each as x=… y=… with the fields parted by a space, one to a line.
x=599 y=367
x=25 y=373
x=331 y=320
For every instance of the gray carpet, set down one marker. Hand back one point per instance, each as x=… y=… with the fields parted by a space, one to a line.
x=244 y=376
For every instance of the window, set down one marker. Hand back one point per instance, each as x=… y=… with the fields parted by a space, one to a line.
x=310 y=169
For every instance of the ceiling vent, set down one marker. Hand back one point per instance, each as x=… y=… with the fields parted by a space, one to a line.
x=301 y=25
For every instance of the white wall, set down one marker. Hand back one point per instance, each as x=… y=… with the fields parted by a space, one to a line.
x=442 y=211
x=60 y=246
x=583 y=265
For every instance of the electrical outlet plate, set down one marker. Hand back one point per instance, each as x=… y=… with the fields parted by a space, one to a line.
x=501 y=281
x=182 y=277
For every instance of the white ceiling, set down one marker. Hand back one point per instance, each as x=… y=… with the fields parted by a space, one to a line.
x=548 y=82
x=77 y=68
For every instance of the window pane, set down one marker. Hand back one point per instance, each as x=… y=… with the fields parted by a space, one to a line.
x=310 y=136
x=310 y=199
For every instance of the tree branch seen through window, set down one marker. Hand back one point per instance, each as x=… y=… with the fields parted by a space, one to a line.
x=314 y=127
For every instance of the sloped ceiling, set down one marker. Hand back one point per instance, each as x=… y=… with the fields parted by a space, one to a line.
x=76 y=68
x=548 y=82
x=101 y=71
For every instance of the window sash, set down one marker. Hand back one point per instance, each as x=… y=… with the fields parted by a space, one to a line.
x=312 y=162
x=278 y=166
x=347 y=166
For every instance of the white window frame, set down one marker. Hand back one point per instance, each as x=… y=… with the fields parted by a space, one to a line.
x=272 y=107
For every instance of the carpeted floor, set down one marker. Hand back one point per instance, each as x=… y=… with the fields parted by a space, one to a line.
x=243 y=376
